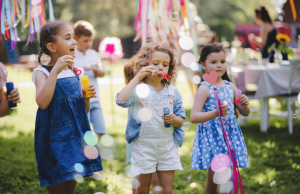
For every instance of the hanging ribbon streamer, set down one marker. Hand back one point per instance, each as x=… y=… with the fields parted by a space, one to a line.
x=293 y=9
x=51 y=13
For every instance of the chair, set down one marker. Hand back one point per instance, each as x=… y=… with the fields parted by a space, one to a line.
x=291 y=96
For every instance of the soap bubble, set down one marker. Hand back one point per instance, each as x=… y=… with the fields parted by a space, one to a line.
x=219 y=162
x=299 y=97
x=99 y=193
x=35 y=2
x=107 y=154
x=78 y=178
x=157 y=189
x=142 y=90
x=186 y=43
x=175 y=15
x=222 y=177
x=187 y=59
x=194 y=66
x=91 y=152
x=36 y=11
x=78 y=167
x=226 y=187
x=186 y=125
x=194 y=185
x=32 y=57
x=128 y=171
x=144 y=114
x=107 y=140
x=196 y=79
x=90 y=138
x=135 y=183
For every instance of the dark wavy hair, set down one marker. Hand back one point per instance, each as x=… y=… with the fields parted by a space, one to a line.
x=263 y=14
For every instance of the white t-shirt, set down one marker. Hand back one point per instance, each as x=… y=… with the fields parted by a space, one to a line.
x=3 y=75
x=89 y=58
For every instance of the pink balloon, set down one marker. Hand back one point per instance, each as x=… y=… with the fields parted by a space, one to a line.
x=36 y=11
x=219 y=162
x=35 y=2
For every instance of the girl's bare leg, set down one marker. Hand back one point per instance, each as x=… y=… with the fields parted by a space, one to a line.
x=210 y=187
x=145 y=181
x=154 y=180
x=71 y=184
x=166 y=180
x=59 y=188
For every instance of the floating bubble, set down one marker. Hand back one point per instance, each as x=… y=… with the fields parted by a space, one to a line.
x=194 y=66
x=35 y=2
x=194 y=185
x=219 y=162
x=36 y=11
x=128 y=171
x=91 y=152
x=226 y=187
x=186 y=43
x=196 y=79
x=157 y=189
x=32 y=57
x=135 y=183
x=186 y=125
x=142 y=90
x=144 y=114
x=299 y=97
x=107 y=140
x=175 y=15
x=222 y=176
x=187 y=59
x=90 y=138
x=99 y=193
x=78 y=178
x=78 y=167
x=107 y=154
x=280 y=17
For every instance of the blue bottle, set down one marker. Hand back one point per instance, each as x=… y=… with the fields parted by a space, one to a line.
x=166 y=111
x=10 y=87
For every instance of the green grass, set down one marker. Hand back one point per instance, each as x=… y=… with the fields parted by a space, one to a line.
x=274 y=156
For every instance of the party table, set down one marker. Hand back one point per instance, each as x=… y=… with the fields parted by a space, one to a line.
x=271 y=80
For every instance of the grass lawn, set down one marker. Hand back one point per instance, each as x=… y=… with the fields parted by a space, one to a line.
x=274 y=156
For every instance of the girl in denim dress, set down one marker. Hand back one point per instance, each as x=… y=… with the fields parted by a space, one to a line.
x=61 y=121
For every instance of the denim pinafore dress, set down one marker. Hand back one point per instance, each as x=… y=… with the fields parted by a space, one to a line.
x=59 y=135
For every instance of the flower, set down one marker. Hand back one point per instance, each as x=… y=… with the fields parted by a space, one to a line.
x=111 y=48
x=283 y=38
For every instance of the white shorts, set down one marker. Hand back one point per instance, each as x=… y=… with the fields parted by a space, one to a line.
x=151 y=155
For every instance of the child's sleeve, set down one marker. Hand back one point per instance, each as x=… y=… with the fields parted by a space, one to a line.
x=128 y=102
x=179 y=110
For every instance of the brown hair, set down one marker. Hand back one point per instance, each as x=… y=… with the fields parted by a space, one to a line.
x=47 y=35
x=144 y=55
x=214 y=48
x=263 y=14
x=83 y=28
x=128 y=72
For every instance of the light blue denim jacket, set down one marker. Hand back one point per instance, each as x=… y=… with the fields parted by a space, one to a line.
x=134 y=124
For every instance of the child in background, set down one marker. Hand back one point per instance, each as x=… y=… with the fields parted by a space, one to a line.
x=61 y=120
x=128 y=73
x=154 y=146
x=4 y=99
x=209 y=141
x=87 y=59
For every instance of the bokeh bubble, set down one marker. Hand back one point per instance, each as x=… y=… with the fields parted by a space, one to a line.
x=135 y=183
x=128 y=171
x=186 y=43
x=226 y=187
x=194 y=66
x=107 y=154
x=175 y=15
x=196 y=79
x=187 y=59
x=78 y=178
x=142 y=90
x=144 y=114
x=186 y=125
x=299 y=97
x=90 y=138
x=107 y=140
x=194 y=185
x=78 y=167
x=222 y=176
x=35 y=2
x=36 y=11
x=99 y=193
x=91 y=152
x=32 y=57
x=157 y=189
x=219 y=162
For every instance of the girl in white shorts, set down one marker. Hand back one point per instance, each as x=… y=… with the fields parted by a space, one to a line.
x=154 y=142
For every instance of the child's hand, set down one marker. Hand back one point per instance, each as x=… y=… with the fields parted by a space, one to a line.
x=91 y=90
x=225 y=109
x=244 y=100
x=169 y=119
x=62 y=62
x=14 y=96
x=145 y=71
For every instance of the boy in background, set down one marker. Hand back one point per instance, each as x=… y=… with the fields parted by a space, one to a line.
x=87 y=59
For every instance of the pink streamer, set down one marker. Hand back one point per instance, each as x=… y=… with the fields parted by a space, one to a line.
x=138 y=18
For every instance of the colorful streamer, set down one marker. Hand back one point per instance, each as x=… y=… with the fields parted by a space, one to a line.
x=293 y=9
